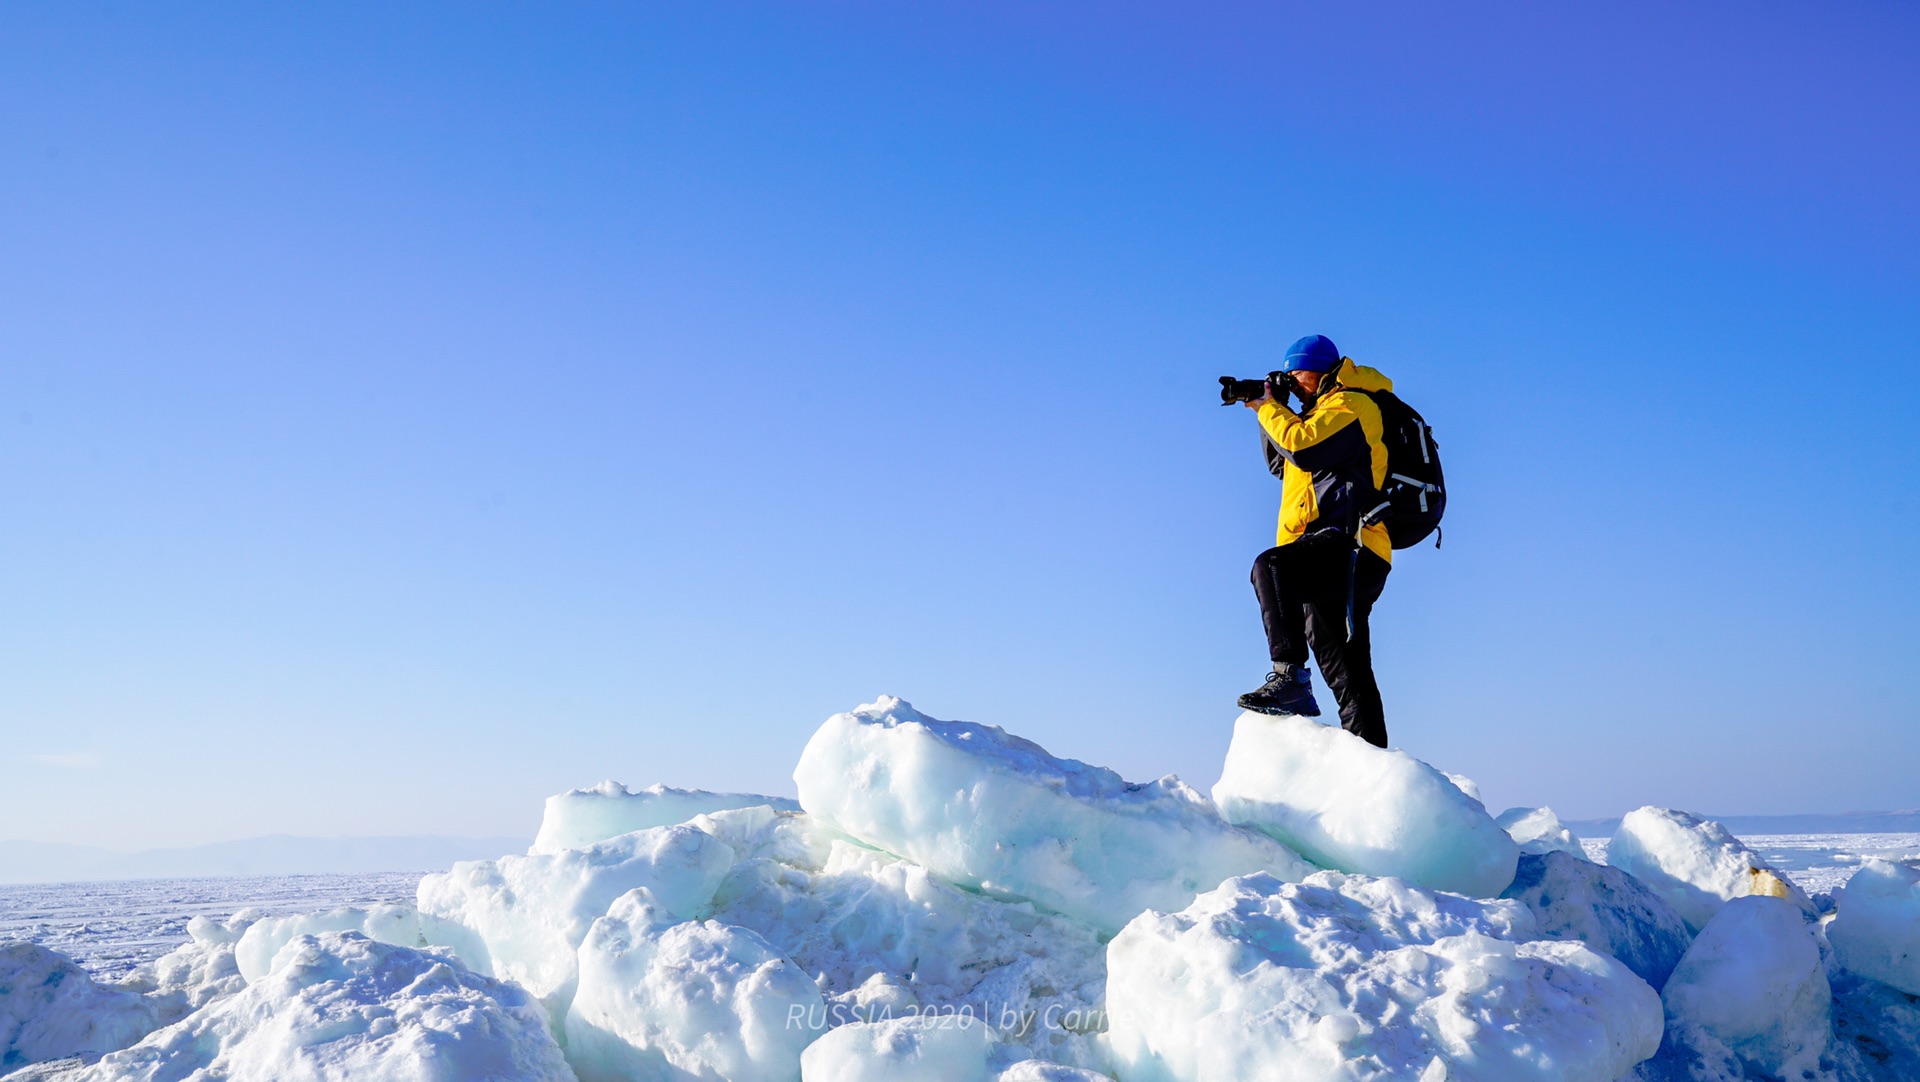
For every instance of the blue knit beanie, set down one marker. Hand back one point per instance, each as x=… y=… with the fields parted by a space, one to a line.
x=1314 y=353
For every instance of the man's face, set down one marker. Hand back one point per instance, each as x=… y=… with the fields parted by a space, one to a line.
x=1309 y=382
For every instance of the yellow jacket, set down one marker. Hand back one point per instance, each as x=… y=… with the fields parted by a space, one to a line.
x=1334 y=447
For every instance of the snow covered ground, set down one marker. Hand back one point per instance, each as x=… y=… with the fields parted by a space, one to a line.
x=948 y=901
x=110 y=928
x=1816 y=863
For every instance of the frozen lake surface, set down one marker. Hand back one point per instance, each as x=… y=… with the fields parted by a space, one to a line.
x=1816 y=863
x=112 y=927
x=1820 y=862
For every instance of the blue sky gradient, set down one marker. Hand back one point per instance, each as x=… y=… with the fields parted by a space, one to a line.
x=405 y=415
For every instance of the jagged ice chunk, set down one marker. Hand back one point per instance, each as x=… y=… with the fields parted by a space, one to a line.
x=1538 y=830
x=50 y=1009
x=1876 y=931
x=341 y=1008
x=581 y=817
x=1694 y=863
x=901 y=1050
x=1603 y=907
x=1752 y=987
x=996 y=813
x=699 y=999
x=1347 y=976
x=1345 y=804
x=532 y=912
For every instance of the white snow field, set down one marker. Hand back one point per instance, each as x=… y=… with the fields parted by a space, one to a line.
x=113 y=928
x=1822 y=863
x=949 y=902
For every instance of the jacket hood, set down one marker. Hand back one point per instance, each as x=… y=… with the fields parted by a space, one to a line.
x=1360 y=377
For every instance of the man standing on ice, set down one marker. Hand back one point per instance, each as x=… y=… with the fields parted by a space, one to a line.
x=1318 y=582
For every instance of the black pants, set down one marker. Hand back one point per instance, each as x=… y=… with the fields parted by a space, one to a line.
x=1303 y=591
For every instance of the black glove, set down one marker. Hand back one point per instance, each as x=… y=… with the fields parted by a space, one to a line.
x=1281 y=385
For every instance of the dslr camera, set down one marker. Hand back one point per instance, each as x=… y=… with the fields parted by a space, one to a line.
x=1233 y=390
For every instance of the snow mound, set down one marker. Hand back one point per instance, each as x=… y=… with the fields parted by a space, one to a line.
x=1349 y=977
x=1605 y=908
x=1878 y=1025
x=885 y=938
x=532 y=912
x=691 y=1000
x=581 y=817
x=1694 y=863
x=1751 y=990
x=341 y=1007
x=942 y=908
x=1876 y=931
x=1345 y=804
x=198 y=971
x=1538 y=830
x=901 y=1050
x=1464 y=784
x=1036 y=1070
x=399 y=925
x=996 y=813
x=51 y=1009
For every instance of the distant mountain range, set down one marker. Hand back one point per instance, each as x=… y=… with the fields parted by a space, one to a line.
x=1870 y=822
x=278 y=854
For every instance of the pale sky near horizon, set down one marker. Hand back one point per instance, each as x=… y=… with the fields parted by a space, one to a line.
x=405 y=414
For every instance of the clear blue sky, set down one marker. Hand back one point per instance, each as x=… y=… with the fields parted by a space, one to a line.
x=407 y=414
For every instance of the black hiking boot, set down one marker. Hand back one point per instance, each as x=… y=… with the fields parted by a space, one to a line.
x=1289 y=690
